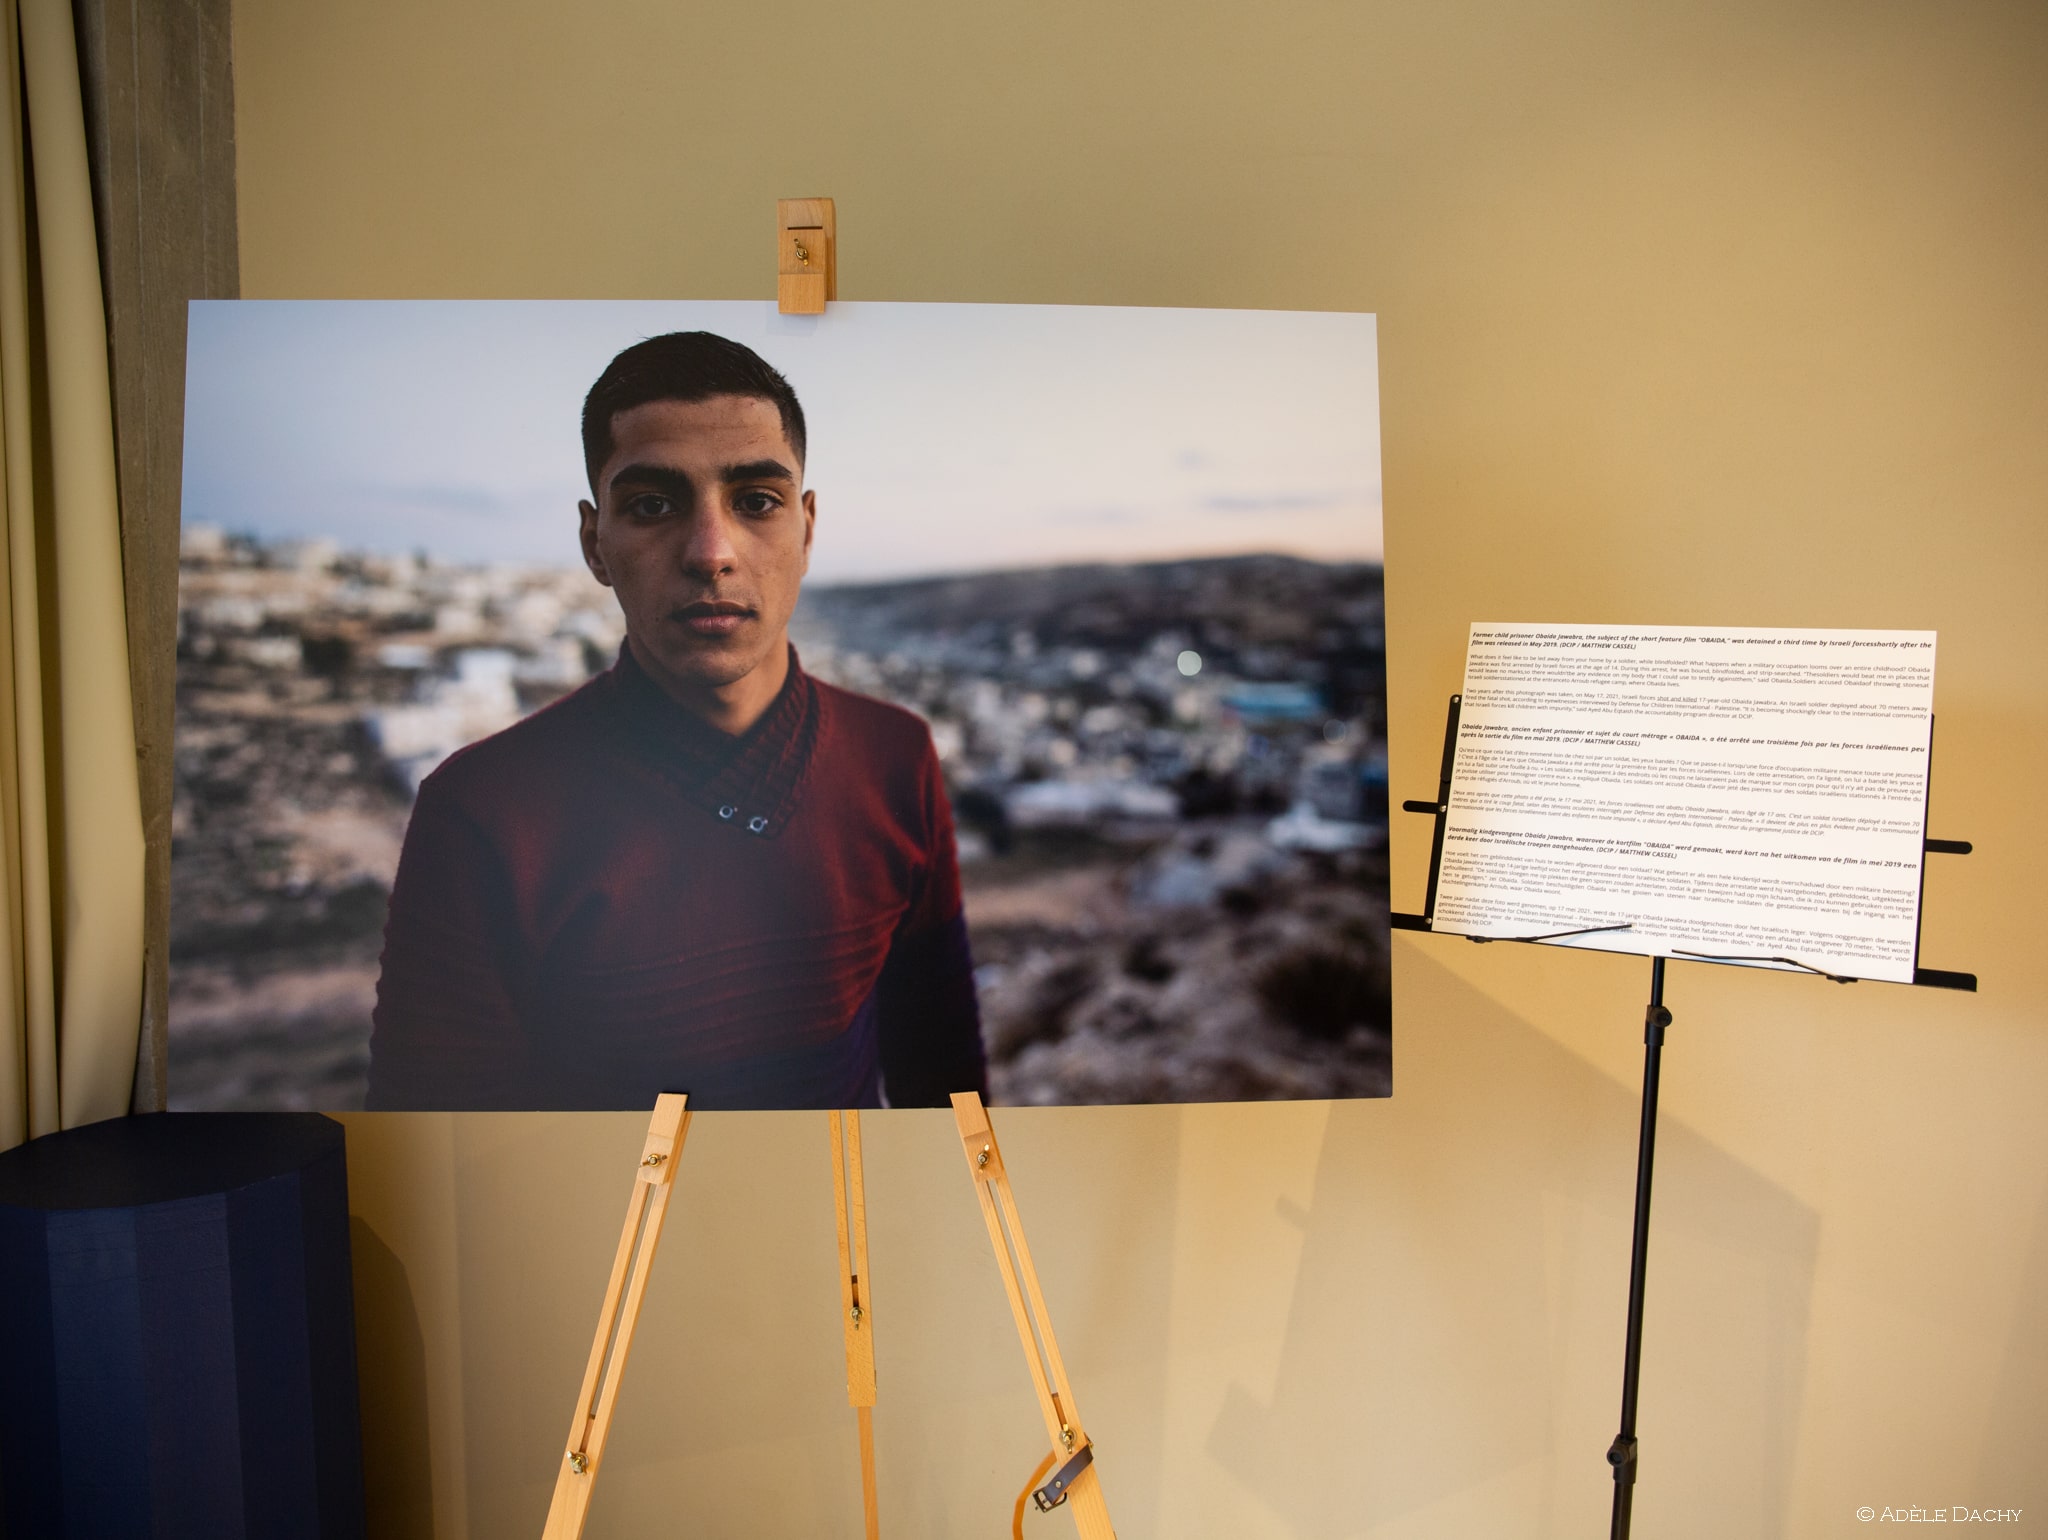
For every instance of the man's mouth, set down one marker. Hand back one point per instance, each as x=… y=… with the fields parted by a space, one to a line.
x=712 y=617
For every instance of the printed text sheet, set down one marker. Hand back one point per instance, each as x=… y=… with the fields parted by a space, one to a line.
x=1747 y=795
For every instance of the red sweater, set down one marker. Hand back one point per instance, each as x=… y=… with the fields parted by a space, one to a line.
x=612 y=899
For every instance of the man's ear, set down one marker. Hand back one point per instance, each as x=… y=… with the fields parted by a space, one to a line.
x=810 y=524
x=586 y=513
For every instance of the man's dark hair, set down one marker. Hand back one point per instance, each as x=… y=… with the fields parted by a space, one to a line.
x=682 y=366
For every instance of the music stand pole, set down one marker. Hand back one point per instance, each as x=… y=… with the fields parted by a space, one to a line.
x=1621 y=1454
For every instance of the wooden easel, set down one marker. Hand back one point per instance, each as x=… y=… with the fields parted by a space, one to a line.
x=1073 y=1484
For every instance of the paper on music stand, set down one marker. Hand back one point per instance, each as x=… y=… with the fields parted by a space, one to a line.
x=1747 y=795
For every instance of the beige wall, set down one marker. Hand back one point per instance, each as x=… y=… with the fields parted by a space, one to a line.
x=1698 y=311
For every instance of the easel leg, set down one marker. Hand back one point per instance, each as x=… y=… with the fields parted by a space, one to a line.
x=849 y=1198
x=1621 y=1454
x=1034 y=1326
x=652 y=1183
x=871 y=1513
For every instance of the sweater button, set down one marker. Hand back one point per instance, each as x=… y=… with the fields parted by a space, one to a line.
x=758 y=824
x=728 y=812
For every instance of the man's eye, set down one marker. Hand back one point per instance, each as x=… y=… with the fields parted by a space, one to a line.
x=648 y=505
x=757 y=503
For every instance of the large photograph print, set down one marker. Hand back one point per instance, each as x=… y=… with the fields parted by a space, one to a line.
x=578 y=701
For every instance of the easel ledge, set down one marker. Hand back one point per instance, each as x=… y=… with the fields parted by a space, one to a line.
x=1073 y=1484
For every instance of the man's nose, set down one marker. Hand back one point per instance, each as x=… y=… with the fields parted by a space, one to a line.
x=707 y=545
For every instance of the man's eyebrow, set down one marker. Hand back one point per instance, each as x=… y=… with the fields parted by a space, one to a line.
x=660 y=477
x=757 y=470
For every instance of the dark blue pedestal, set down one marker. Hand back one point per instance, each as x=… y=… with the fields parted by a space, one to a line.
x=177 y=1332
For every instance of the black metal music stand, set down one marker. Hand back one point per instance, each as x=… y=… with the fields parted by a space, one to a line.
x=1621 y=1454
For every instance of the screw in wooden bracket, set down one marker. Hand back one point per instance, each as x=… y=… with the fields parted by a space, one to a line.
x=807 y=255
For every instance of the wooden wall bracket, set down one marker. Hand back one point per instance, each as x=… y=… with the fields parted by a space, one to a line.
x=806 y=255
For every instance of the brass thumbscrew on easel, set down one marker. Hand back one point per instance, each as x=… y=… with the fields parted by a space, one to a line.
x=803 y=253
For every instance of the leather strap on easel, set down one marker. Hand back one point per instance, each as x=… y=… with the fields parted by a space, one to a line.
x=1054 y=1492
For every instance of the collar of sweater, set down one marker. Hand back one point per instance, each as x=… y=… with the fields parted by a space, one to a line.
x=752 y=782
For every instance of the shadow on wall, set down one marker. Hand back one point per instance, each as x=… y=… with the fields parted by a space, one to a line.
x=1480 y=1273
x=2012 y=1443
x=392 y=1353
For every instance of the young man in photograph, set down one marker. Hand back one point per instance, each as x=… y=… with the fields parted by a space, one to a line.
x=705 y=870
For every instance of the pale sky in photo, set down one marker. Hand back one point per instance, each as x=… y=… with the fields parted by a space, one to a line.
x=943 y=438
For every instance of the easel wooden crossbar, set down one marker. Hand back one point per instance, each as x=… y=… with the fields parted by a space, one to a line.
x=1073 y=1485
